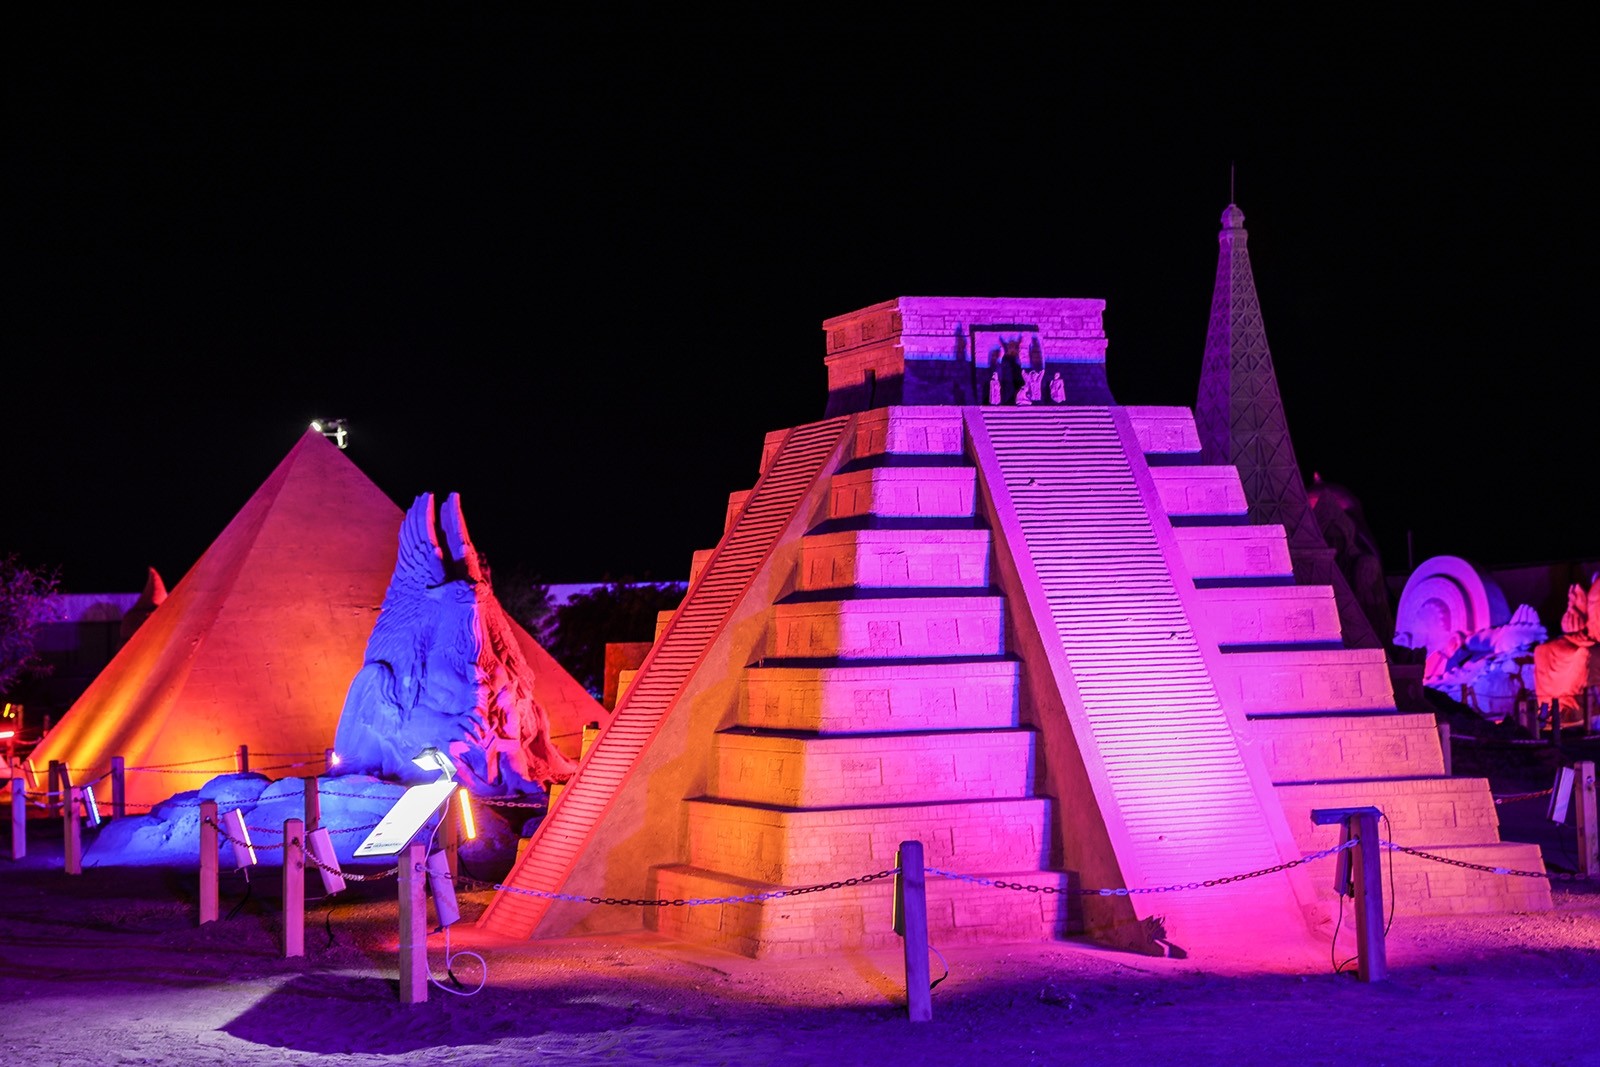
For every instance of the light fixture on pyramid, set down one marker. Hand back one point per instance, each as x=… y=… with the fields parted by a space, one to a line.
x=334 y=430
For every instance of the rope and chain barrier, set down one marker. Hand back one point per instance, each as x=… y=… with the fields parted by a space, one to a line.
x=1564 y=876
x=1121 y=891
x=747 y=898
x=1512 y=798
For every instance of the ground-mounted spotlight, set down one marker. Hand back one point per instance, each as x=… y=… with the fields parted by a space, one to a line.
x=320 y=844
x=91 y=807
x=443 y=889
x=244 y=853
x=1560 y=796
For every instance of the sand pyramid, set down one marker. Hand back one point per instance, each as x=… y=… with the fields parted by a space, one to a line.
x=258 y=642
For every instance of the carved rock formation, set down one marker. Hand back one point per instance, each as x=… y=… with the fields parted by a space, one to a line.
x=443 y=669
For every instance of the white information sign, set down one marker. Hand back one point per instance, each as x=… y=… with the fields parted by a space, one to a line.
x=396 y=829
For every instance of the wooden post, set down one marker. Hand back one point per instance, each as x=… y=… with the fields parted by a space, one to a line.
x=450 y=832
x=313 y=805
x=912 y=909
x=294 y=888
x=208 y=861
x=71 y=827
x=1555 y=723
x=1373 y=965
x=72 y=833
x=1361 y=825
x=413 y=925
x=119 y=788
x=19 y=819
x=52 y=796
x=1588 y=826
x=1444 y=746
x=243 y=759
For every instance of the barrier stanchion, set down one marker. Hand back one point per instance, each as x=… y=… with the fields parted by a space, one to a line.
x=71 y=828
x=52 y=796
x=208 y=861
x=1588 y=826
x=313 y=805
x=119 y=788
x=911 y=923
x=413 y=926
x=19 y=819
x=1444 y=747
x=242 y=758
x=294 y=888
x=1365 y=883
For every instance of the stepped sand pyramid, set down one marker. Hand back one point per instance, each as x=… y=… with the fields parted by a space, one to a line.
x=1040 y=635
x=258 y=643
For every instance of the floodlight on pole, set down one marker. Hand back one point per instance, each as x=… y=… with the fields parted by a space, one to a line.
x=335 y=430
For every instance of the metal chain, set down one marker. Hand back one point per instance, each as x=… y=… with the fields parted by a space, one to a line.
x=1562 y=876
x=183 y=763
x=1511 y=797
x=351 y=876
x=1122 y=892
x=242 y=844
x=748 y=898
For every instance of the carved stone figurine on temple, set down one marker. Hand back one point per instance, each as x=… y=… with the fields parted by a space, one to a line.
x=443 y=669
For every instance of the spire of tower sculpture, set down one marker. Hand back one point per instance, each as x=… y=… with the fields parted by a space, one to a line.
x=1240 y=419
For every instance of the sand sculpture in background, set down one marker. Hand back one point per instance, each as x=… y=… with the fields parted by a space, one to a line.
x=1561 y=665
x=443 y=669
x=151 y=598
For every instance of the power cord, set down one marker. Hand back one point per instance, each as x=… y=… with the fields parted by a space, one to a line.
x=943 y=963
x=242 y=900
x=449 y=958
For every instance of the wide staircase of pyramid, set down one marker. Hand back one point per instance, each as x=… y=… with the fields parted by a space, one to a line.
x=1046 y=640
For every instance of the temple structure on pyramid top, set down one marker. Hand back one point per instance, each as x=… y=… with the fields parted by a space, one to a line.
x=1068 y=645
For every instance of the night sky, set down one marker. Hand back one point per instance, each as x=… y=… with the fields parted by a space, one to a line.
x=576 y=275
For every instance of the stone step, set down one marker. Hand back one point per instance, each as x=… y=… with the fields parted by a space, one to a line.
x=868 y=698
x=867 y=559
x=1200 y=492
x=1235 y=552
x=1422 y=812
x=854 y=918
x=903 y=492
x=785 y=770
x=921 y=627
x=1310 y=747
x=909 y=430
x=1305 y=680
x=794 y=846
x=1164 y=431
x=1268 y=615
x=1424 y=886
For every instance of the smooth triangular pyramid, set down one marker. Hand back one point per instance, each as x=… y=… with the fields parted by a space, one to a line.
x=1043 y=639
x=258 y=642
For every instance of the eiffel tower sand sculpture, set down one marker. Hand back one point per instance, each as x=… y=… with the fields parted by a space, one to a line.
x=1062 y=642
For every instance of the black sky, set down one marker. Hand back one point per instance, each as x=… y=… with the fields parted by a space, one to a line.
x=577 y=276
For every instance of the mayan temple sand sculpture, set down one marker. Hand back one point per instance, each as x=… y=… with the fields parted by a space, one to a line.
x=1062 y=642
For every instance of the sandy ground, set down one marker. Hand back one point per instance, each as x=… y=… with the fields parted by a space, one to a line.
x=111 y=967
